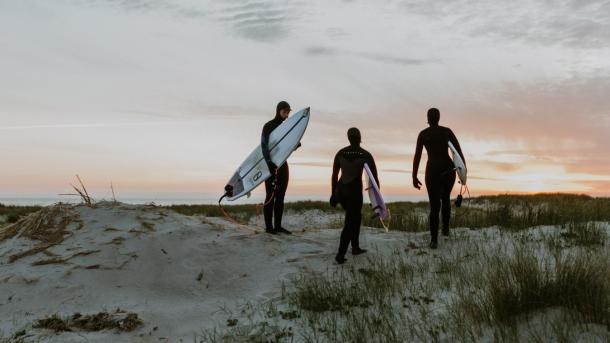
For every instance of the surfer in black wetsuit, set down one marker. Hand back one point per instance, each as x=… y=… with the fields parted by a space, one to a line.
x=440 y=173
x=348 y=190
x=276 y=185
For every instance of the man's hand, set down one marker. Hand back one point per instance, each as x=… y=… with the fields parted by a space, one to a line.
x=272 y=168
x=333 y=201
x=416 y=182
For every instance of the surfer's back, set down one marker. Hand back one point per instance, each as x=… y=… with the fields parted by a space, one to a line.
x=434 y=138
x=351 y=160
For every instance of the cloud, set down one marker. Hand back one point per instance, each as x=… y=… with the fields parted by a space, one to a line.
x=176 y=8
x=257 y=20
x=582 y=27
x=81 y=126
x=571 y=23
x=545 y=119
x=394 y=170
x=321 y=51
x=313 y=164
x=502 y=166
x=599 y=165
x=405 y=61
x=596 y=187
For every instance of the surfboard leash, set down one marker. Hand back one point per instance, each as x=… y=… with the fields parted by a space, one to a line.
x=265 y=203
x=258 y=207
x=466 y=209
x=227 y=216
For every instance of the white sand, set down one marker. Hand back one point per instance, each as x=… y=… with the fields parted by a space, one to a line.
x=148 y=260
x=152 y=270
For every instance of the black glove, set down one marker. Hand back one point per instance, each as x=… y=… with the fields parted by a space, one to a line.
x=333 y=201
x=458 y=201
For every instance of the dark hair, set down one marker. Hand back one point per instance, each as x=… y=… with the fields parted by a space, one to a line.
x=434 y=115
x=353 y=135
x=282 y=105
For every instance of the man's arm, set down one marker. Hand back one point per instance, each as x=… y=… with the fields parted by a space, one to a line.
x=456 y=144
x=265 y=149
x=418 y=150
x=335 y=176
x=373 y=168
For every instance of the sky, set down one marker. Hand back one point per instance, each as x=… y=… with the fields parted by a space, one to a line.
x=167 y=97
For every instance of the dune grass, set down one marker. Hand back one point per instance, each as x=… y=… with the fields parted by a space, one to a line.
x=512 y=289
x=346 y=288
x=512 y=212
x=247 y=211
x=584 y=233
x=12 y=213
x=525 y=282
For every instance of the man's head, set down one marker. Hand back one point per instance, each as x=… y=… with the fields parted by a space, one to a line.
x=353 y=135
x=434 y=115
x=282 y=110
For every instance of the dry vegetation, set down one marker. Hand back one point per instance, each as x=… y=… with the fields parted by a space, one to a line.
x=47 y=227
x=510 y=292
x=119 y=321
x=540 y=272
x=515 y=283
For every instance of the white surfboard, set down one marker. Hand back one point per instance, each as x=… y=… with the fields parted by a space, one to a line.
x=282 y=142
x=375 y=196
x=459 y=165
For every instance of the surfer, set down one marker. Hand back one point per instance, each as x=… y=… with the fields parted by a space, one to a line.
x=276 y=185
x=440 y=173
x=347 y=190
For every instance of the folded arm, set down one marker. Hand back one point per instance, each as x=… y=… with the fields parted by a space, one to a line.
x=265 y=148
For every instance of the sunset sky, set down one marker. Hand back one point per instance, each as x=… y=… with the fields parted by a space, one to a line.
x=167 y=97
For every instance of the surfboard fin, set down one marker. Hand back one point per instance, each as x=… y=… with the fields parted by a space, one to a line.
x=249 y=194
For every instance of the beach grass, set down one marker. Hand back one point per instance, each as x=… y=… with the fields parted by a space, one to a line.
x=515 y=288
x=12 y=213
x=511 y=212
x=247 y=211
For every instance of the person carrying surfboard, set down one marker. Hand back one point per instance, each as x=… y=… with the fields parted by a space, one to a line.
x=276 y=185
x=347 y=191
x=440 y=172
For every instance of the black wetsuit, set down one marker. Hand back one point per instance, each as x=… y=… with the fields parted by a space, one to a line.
x=274 y=200
x=440 y=176
x=348 y=191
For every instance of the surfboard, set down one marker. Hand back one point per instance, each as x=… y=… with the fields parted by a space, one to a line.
x=458 y=163
x=375 y=196
x=282 y=142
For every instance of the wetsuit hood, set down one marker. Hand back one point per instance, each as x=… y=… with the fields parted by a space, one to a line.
x=353 y=135
x=282 y=105
x=434 y=116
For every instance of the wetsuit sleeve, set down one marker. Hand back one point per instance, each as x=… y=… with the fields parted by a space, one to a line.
x=456 y=144
x=265 y=145
x=373 y=168
x=418 y=150
x=335 y=176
